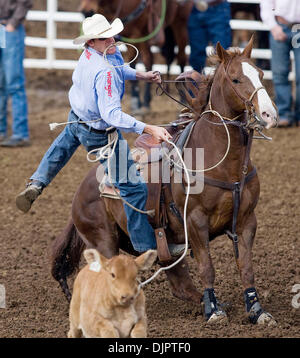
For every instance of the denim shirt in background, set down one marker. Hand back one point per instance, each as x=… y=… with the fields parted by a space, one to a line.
x=97 y=91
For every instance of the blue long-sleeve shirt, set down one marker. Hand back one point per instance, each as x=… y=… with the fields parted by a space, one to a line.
x=97 y=91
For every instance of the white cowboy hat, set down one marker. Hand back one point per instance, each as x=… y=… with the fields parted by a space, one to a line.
x=97 y=27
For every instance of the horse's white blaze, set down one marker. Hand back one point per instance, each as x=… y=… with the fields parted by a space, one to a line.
x=267 y=111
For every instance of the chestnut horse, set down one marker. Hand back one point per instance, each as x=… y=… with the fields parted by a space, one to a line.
x=141 y=18
x=100 y=223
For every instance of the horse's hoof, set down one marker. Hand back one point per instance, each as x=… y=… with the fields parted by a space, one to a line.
x=266 y=319
x=218 y=316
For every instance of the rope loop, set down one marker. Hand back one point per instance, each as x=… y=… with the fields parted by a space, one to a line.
x=119 y=43
x=184 y=222
x=105 y=153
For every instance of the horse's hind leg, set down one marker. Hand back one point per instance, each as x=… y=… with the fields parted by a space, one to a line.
x=244 y=262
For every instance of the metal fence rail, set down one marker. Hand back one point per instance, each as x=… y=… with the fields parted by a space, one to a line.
x=51 y=16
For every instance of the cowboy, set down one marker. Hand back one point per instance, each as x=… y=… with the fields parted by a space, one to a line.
x=95 y=99
x=209 y=21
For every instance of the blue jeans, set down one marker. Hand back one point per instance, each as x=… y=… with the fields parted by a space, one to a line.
x=280 y=64
x=134 y=191
x=212 y=26
x=12 y=84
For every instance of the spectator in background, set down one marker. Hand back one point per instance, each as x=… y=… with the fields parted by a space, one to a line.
x=12 y=76
x=281 y=16
x=209 y=21
x=249 y=11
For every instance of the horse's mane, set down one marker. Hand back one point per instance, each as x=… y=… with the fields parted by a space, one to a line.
x=214 y=60
x=204 y=81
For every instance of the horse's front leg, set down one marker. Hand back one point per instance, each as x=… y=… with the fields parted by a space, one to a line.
x=181 y=283
x=244 y=262
x=199 y=238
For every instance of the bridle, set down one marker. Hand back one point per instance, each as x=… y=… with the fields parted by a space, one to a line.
x=252 y=120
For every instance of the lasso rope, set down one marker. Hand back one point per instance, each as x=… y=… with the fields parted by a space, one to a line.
x=224 y=156
x=106 y=153
x=141 y=284
x=54 y=124
x=118 y=44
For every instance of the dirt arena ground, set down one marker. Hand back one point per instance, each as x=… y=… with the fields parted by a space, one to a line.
x=35 y=305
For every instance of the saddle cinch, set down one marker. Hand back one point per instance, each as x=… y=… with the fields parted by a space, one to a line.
x=158 y=192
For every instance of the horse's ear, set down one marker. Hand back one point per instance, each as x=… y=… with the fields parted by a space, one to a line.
x=222 y=53
x=248 y=49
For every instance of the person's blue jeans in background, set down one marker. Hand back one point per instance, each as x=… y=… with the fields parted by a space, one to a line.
x=281 y=66
x=135 y=192
x=12 y=84
x=212 y=25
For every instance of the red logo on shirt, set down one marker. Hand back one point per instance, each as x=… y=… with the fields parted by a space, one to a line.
x=108 y=87
x=87 y=54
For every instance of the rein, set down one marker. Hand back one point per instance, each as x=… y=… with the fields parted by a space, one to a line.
x=252 y=119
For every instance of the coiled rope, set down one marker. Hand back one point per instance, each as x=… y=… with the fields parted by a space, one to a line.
x=106 y=153
x=141 y=284
x=224 y=156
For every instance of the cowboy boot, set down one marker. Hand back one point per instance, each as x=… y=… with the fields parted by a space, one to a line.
x=25 y=199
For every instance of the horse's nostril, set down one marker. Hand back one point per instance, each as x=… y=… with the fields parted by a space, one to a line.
x=265 y=114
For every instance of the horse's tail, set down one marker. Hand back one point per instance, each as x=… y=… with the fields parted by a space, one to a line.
x=65 y=256
x=168 y=49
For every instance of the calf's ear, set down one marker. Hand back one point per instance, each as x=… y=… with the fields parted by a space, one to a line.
x=146 y=260
x=92 y=256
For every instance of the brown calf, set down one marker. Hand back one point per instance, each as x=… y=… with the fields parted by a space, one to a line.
x=107 y=301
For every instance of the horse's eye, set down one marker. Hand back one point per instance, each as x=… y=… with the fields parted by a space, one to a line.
x=113 y=275
x=235 y=80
